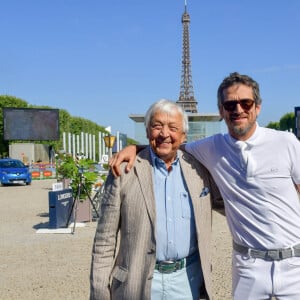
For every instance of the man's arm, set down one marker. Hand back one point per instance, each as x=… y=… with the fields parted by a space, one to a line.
x=127 y=154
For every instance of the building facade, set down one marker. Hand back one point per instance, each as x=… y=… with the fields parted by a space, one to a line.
x=200 y=126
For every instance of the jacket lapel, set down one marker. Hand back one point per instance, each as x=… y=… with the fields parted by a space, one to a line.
x=143 y=170
x=201 y=204
x=193 y=182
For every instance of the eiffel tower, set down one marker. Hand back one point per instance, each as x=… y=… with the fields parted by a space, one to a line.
x=186 y=97
x=200 y=124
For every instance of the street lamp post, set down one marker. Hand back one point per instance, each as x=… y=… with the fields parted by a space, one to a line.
x=109 y=141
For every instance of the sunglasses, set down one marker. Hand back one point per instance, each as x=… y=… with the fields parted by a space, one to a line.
x=246 y=104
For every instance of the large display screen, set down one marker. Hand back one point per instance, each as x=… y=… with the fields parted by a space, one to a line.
x=30 y=124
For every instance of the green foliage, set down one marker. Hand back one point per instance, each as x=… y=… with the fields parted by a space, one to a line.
x=77 y=171
x=66 y=168
x=287 y=122
x=105 y=166
x=273 y=125
x=11 y=101
x=131 y=142
x=64 y=121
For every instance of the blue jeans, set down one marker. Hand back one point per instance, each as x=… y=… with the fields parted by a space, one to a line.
x=183 y=284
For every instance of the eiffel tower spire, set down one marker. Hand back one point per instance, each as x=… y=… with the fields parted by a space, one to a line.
x=186 y=97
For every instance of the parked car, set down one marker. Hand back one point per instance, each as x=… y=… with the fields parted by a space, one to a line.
x=13 y=171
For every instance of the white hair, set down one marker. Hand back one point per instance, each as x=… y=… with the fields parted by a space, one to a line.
x=169 y=107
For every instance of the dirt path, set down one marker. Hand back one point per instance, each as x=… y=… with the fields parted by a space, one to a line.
x=56 y=266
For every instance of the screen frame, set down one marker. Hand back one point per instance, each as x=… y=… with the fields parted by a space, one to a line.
x=12 y=120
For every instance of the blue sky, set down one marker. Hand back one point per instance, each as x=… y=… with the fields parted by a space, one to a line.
x=103 y=60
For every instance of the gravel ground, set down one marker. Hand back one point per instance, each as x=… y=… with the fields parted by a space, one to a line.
x=57 y=266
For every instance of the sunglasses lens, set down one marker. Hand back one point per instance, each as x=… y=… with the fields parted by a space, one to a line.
x=230 y=105
x=246 y=104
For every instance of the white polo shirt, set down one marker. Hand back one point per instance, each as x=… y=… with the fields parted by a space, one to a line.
x=261 y=203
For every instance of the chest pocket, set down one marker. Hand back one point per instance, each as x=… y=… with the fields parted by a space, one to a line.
x=186 y=209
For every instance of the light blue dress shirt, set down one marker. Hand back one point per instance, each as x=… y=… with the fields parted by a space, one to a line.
x=175 y=222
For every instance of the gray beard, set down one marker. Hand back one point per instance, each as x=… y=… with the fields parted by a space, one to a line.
x=242 y=131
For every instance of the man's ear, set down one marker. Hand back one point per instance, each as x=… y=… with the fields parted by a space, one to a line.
x=257 y=109
x=183 y=138
x=221 y=112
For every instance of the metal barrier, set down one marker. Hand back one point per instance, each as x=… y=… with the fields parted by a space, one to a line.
x=42 y=171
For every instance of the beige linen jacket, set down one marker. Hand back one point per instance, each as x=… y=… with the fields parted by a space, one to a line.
x=124 y=257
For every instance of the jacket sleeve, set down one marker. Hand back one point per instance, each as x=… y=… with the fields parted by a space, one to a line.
x=105 y=241
x=217 y=200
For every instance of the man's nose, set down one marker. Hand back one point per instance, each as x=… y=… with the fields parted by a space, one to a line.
x=238 y=108
x=164 y=130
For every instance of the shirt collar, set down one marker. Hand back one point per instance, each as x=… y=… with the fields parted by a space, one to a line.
x=158 y=162
x=251 y=141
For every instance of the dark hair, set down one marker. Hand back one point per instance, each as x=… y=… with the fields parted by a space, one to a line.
x=236 y=78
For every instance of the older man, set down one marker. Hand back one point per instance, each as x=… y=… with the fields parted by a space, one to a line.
x=162 y=212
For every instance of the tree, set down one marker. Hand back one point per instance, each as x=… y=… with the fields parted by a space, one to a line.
x=131 y=141
x=273 y=125
x=287 y=122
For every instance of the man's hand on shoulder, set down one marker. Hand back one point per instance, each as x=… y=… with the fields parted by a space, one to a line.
x=127 y=154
